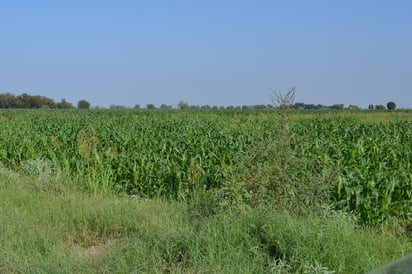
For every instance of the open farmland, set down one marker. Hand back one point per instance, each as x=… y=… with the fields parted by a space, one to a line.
x=204 y=189
x=363 y=165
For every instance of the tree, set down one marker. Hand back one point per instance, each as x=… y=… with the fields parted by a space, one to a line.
x=183 y=105
x=299 y=106
x=83 y=104
x=41 y=101
x=164 y=106
x=117 y=107
x=391 y=105
x=371 y=107
x=353 y=107
x=310 y=106
x=380 y=107
x=337 y=106
x=8 y=100
x=151 y=106
x=64 y=104
x=24 y=101
x=27 y=101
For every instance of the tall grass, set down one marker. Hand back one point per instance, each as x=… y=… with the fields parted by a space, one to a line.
x=57 y=231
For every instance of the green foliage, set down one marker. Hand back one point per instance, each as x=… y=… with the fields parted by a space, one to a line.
x=234 y=157
x=47 y=232
x=183 y=105
x=164 y=106
x=391 y=105
x=8 y=100
x=83 y=104
x=64 y=104
x=276 y=173
x=380 y=107
x=283 y=101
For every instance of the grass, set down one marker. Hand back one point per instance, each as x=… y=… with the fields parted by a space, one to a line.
x=64 y=230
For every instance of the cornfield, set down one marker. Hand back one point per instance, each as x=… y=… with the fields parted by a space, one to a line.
x=365 y=167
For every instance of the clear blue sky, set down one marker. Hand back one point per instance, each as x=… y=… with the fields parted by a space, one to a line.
x=208 y=52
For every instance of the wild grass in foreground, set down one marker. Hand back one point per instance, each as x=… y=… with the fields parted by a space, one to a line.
x=44 y=230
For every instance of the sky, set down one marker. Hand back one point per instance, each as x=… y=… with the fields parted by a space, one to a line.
x=208 y=52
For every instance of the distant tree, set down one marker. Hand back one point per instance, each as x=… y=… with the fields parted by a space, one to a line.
x=83 y=104
x=150 y=106
x=28 y=101
x=183 y=105
x=310 y=106
x=337 y=106
x=118 y=107
x=391 y=105
x=259 y=107
x=137 y=106
x=380 y=107
x=164 y=106
x=299 y=106
x=64 y=104
x=8 y=100
x=24 y=101
x=42 y=101
x=371 y=107
x=353 y=107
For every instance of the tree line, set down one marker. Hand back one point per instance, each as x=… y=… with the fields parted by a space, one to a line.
x=26 y=101
x=301 y=106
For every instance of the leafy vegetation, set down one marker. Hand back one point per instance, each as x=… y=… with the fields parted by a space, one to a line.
x=391 y=105
x=240 y=157
x=204 y=191
x=8 y=100
x=69 y=231
x=83 y=104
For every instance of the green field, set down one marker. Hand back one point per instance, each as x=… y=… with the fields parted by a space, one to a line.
x=204 y=191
